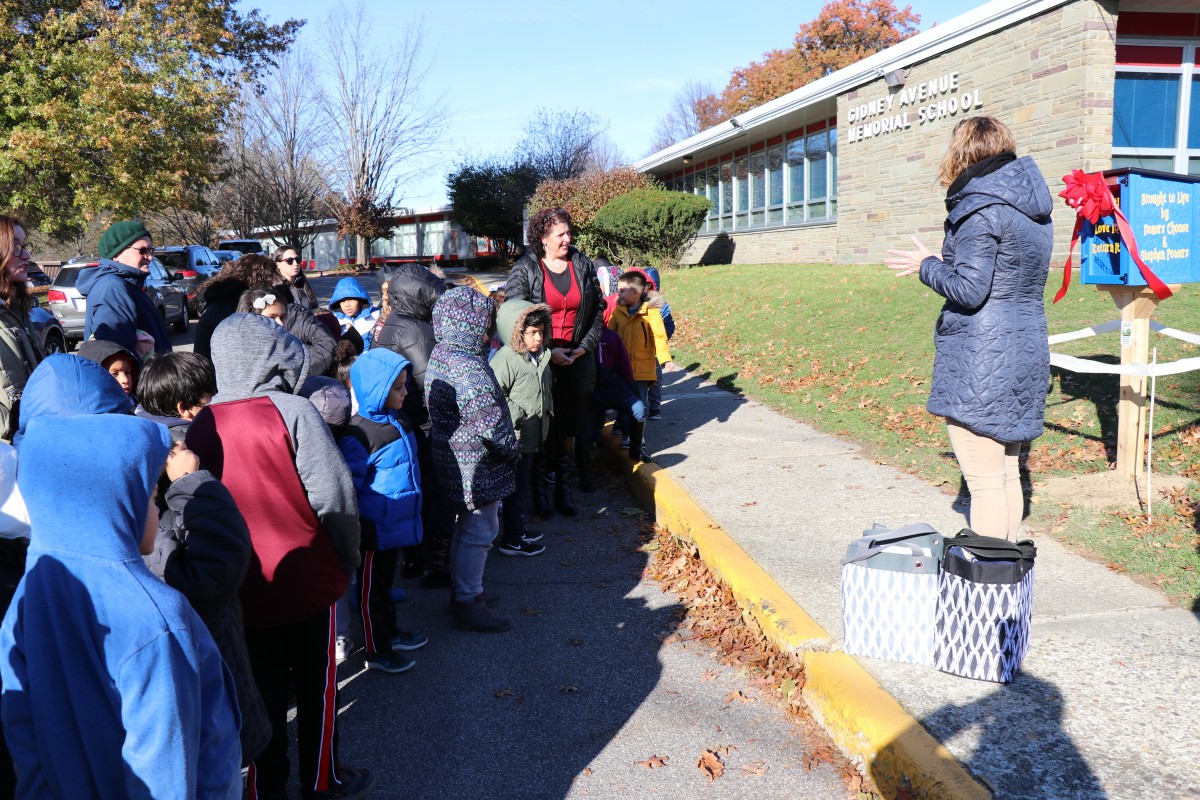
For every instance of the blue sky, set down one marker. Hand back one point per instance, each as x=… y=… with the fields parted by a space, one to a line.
x=622 y=60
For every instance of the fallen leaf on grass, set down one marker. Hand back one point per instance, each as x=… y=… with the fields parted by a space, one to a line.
x=654 y=761
x=756 y=768
x=740 y=696
x=710 y=764
x=710 y=675
x=502 y=694
x=568 y=688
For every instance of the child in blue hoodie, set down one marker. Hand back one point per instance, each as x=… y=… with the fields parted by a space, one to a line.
x=351 y=305
x=381 y=451
x=112 y=684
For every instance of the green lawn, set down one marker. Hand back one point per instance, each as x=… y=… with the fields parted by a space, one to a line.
x=849 y=350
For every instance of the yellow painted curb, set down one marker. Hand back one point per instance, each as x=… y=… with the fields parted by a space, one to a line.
x=866 y=723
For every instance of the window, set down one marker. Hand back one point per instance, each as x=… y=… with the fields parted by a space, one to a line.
x=817 y=146
x=741 y=193
x=795 y=162
x=775 y=185
x=714 y=197
x=1156 y=106
x=758 y=189
x=727 y=196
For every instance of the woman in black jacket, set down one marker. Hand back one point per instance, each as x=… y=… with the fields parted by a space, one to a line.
x=555 y=273
x=991 y=365
x=290 y=281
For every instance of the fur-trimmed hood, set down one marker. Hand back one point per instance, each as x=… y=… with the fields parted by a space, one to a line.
x=513 y=317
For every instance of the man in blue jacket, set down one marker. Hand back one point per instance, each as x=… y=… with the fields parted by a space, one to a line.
x=117 y=307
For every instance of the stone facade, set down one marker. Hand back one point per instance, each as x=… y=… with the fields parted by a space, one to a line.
x=1050 y=78
x=799 y=245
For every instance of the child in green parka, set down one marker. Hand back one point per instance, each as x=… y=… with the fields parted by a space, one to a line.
x=522 y=368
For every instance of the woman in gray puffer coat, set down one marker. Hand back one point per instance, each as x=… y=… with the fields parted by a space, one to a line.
x=991 y=367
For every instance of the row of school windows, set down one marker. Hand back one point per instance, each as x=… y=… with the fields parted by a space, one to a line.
x=426 y=240
x=779 y=182
x=1156 y=106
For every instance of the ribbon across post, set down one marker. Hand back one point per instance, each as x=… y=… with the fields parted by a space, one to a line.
x=1092 y=199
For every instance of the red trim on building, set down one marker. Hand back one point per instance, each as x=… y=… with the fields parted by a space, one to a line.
x=1142 y=55
x=741 y=152
x=1148 y=23
x=712 y=162
x=818 y=126
x=754 y=148
x=774 y=140
x=796 y=134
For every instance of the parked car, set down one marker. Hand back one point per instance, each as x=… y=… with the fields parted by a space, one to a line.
x=242 y=246
x=70 y=307
x=49 y=331
x=191 y=265
x=227 y=255
x=34 y=276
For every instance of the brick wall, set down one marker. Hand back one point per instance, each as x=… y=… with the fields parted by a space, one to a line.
x=808 y=244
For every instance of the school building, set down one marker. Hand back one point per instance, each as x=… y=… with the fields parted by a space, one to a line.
x=845 y=167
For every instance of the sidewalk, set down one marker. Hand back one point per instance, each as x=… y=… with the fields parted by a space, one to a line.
x=1106 y=703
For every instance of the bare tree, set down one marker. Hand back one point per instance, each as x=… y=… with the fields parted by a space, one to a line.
x=604 y=155
x=287 y=175
x=384 y=128
x=559 y=143
x=693 y=109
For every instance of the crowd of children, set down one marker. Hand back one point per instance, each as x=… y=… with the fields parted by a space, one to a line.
x=227 y=512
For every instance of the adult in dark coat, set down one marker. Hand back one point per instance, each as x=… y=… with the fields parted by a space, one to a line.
x=992 y=362
x=555 y=273
x=290 y=281
x=117 y=308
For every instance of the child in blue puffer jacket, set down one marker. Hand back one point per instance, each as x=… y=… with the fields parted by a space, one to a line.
x=381 y=450
x=351 y=305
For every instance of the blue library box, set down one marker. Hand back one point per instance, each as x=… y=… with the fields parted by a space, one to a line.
x=1163 y=210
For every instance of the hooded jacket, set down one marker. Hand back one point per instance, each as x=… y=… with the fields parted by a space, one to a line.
x=524 y=382
x=474 y=447
x=65 y=385
x=408 y=330
x=991 y=365
x=381 y=451
x=112 y=685
x=276 y=456
x=117 y=306
x=643 y=335
x=364 y=320
x=100 y=350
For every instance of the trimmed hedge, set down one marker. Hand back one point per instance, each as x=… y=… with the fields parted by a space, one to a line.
x=582 y=197
x=652 y=227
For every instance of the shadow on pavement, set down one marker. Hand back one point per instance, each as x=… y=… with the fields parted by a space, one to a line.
x=689 y=402
x=519 y=714
x=1020 y=747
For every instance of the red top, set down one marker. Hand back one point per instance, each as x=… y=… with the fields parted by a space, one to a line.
x=295 y=571
x=563 y=307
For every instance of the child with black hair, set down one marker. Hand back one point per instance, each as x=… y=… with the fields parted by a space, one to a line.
x=173 y=388
x=123 y=365
x=637 y=319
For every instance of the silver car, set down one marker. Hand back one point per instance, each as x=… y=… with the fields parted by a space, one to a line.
x=70 y=307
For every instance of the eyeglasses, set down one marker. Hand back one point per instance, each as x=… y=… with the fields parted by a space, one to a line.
x=144 y=252
x=23 y=250
x=291 y=260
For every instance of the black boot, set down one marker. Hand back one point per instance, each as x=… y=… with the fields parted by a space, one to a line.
x=543 y=487
x=583 y=462
x=562 y=487
x=637 y=432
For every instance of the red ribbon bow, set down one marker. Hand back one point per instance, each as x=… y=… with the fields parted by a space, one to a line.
x=1092 y=199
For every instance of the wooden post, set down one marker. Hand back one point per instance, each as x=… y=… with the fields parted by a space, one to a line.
x=1136 y=304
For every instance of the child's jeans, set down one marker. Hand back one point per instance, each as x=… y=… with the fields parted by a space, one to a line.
x=474 y=532
x=656 y=392
x=515 y=508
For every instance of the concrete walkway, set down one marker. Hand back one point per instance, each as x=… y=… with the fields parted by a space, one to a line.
x=1105 y=705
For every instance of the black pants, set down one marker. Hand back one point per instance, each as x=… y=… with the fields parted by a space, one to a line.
x=375 y=576
x=300 y=654
x=515 y=509
x=571 y=413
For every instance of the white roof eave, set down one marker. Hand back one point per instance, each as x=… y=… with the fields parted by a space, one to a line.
x=964 y=28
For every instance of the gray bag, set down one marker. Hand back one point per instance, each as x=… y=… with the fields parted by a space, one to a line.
x=890 y=593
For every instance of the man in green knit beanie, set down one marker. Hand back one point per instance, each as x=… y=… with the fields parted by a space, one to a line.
x=117 y=308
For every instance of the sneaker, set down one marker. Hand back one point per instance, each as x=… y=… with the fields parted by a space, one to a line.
x=655 y=415
x=643 y=456
x=343 y=648
x=532 y=536
x=474 y=615
x=406 y=640
x=521 y=547
x=354 y=784
x=392 y=663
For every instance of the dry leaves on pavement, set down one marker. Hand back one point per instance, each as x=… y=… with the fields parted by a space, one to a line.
x=654 y=762
x=711 y=765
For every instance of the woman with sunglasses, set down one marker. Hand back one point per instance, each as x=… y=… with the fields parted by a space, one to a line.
x=19 y=353
x=117 y=308
x=293 y=286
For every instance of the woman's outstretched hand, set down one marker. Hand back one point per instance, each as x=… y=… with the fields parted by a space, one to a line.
x=906 y=262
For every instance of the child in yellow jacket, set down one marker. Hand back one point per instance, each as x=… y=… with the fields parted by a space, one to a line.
x=638 y=321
